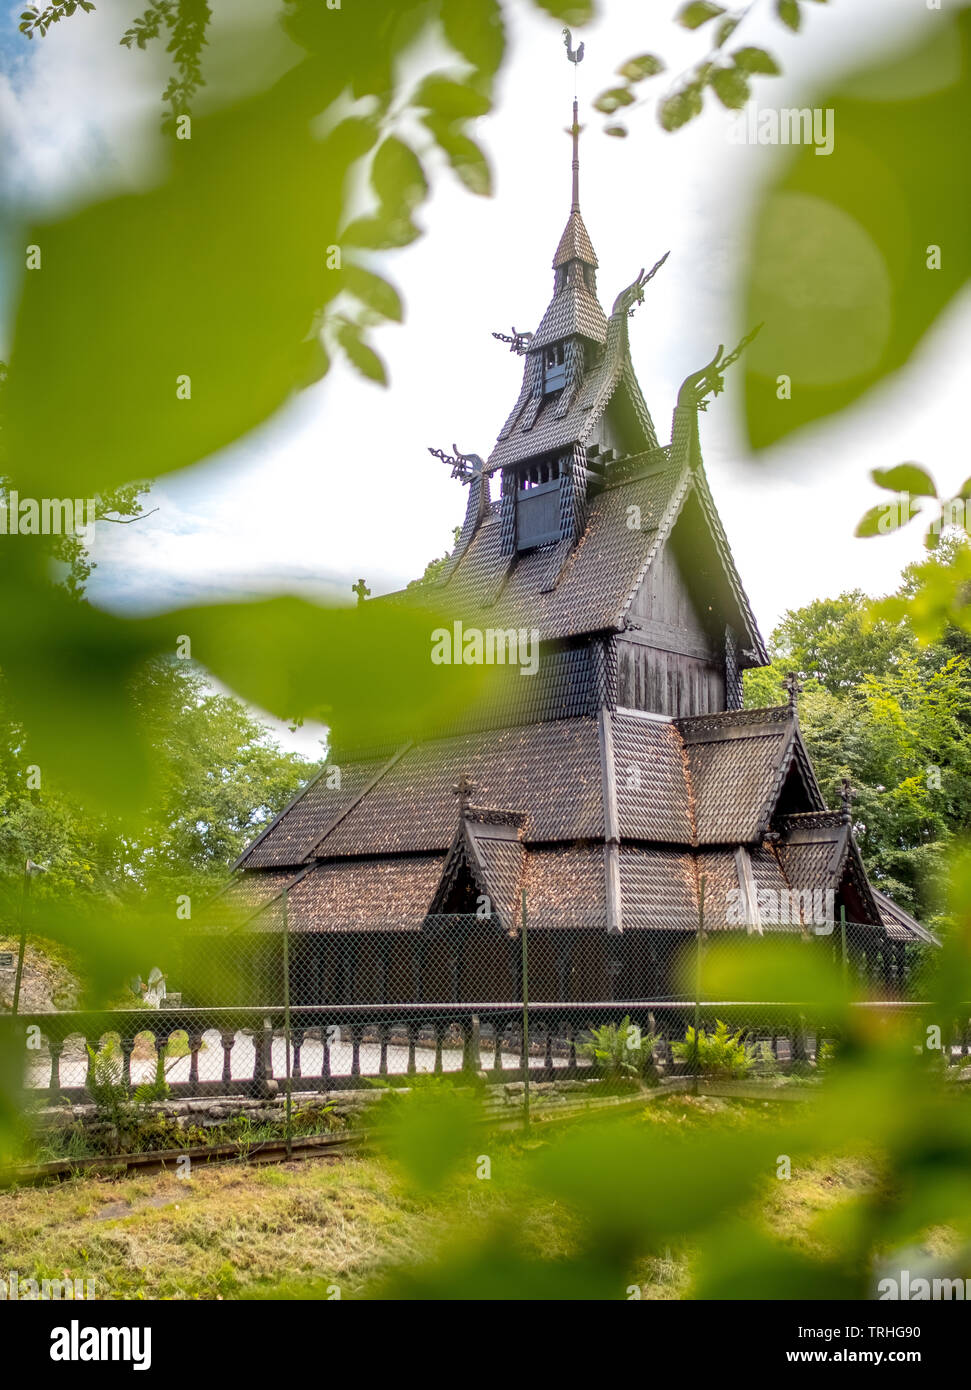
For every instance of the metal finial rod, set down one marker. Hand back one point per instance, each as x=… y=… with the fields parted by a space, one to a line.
x=575 y=205
x=575 y=55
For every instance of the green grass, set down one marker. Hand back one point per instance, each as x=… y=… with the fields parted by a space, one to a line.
x=237 y=1231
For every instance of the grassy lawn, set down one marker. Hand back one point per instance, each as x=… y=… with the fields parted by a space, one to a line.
x=237 y=1231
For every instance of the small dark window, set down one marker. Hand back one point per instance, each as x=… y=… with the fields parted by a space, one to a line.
x=554 y=367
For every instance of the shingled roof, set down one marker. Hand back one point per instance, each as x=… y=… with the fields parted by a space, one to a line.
x=539 y=823
x=565 y=592
x=569 y=418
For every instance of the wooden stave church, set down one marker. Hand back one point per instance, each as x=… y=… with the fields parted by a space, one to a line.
x=607 y=789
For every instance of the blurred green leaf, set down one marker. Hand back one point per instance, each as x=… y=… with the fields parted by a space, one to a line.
x=612 y=1176
x=430 y=1132
x=725 y=30
x=364 y=358
x=397 y=176
x=905 y=477
x=636 y=69
x=755 y=60
x=287 y=656
x=878 y=521
x=574 y=12
x=740 y=1262
x=698 y=12
x=791 y=970
x=841 y=267
x=475 y=29
x=374 y=291
x=789 y=12
x=681 y=107
x=452 y=100
x=187 y=340
x=380 y=233
x=731 y=87
x=609 y=101
x=464 y=156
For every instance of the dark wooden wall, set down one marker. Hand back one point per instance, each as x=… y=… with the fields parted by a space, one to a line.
x=669 y=663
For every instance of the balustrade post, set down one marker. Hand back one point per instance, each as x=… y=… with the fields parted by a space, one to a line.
x=55 y=1047
x=471 y=1060
x=799 y=1040
x=325 y=1052
x=498 y=1032
x=296 y=1044
x=355 y=1050
x=439 y=1035
x=383 y=1042
x=262 y=1058
x=195 y=1042
x=227 y=1040
x=412 y=1039
x=127 y=1048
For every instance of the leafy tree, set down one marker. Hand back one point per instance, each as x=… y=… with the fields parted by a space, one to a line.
x=434 y=568
x=892 y=716
x=223 y=777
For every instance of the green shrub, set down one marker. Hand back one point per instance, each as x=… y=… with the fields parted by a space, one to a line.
x=719 y=1054
x=622 y=1052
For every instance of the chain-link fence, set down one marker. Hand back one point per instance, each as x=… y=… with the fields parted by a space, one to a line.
x=257 y=1008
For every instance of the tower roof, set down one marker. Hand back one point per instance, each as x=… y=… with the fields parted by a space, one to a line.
x=575 y=243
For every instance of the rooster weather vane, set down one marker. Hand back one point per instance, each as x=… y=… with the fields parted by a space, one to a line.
x=575 y=55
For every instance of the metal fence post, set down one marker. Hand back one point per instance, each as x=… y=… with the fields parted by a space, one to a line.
x=286 y=1020
x=525 y=958
x=701 y=933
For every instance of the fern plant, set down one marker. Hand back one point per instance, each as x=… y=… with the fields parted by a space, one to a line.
x=622 y=1052
x=157 y=1088
x=720 y=1054
x=105 y=1081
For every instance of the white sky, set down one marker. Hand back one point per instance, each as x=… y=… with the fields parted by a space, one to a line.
x=340 y=484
